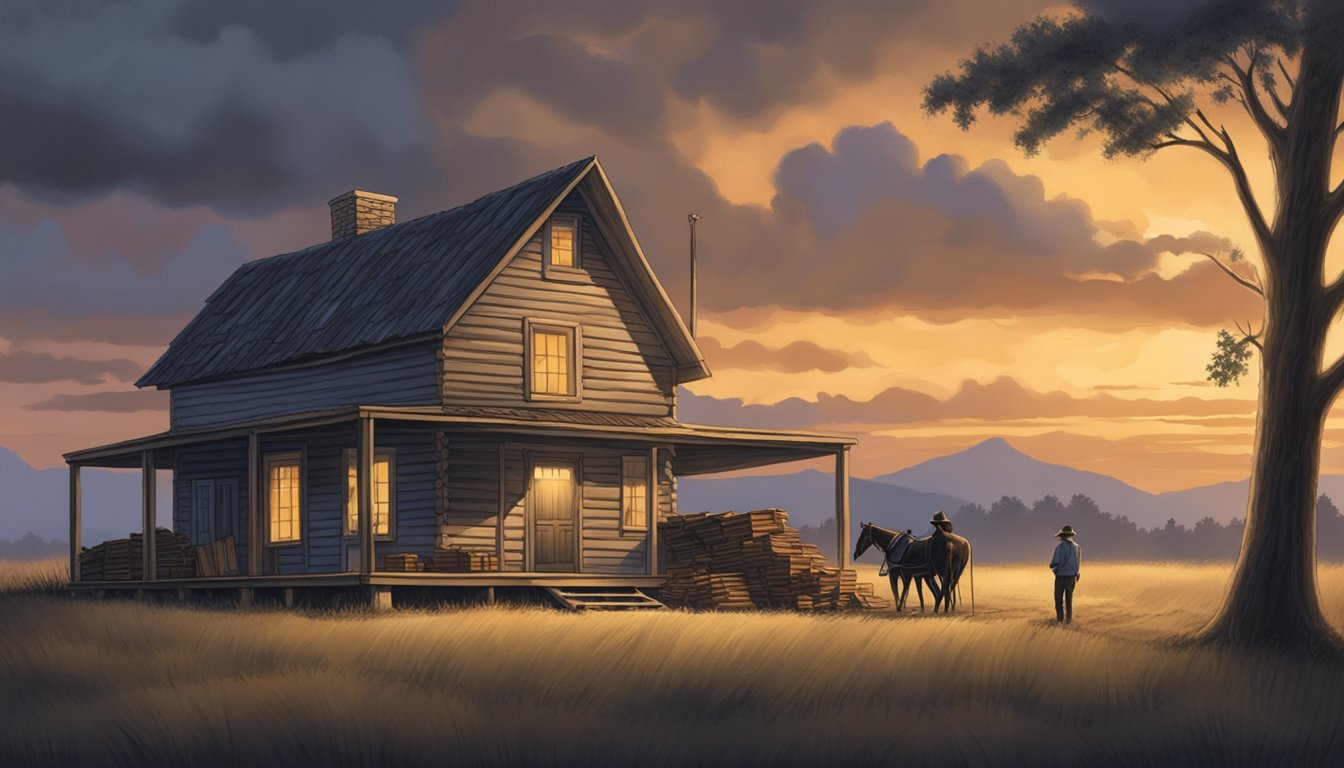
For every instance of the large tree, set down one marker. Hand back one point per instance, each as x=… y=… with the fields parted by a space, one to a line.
x=1159 y=78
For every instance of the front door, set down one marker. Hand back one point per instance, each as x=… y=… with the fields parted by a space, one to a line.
x=555 y=514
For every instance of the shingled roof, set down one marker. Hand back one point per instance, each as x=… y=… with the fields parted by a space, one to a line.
x=398 y=282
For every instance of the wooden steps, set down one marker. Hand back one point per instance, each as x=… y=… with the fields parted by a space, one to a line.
x=603 y=599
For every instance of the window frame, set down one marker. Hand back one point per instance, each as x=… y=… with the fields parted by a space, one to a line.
x=560 y=272
x=349 y=458
x=575 y=332
x=285 y=458
x=644 y=481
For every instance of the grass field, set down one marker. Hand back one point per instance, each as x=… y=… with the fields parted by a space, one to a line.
x=123 y=683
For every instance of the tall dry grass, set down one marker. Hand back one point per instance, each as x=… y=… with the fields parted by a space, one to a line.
x=126 y=683
x=33 y=576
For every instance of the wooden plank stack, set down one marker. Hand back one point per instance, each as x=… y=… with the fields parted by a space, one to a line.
x=218 y=558
x=735 y=561
x=455 y=559
x=123 y=559
x=405 y=562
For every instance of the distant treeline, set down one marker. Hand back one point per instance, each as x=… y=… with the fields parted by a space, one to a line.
x=32 y=547
x=1011 y=531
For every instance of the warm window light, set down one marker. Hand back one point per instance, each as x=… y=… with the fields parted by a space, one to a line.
x=283 y=477
x=382 y=493
x=635 y=492
x=552 y=353
x=562 y=242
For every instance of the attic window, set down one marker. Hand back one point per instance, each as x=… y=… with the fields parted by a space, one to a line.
x=562 y=252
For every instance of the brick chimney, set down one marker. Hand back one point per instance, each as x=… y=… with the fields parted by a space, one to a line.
x=357 y=212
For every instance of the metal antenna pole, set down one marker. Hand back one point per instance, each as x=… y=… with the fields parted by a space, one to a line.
x=692 y=218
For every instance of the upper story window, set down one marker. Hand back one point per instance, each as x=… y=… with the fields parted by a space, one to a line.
x=384 y=491
x=561 y=245
x=284 y=501
x=553 y=351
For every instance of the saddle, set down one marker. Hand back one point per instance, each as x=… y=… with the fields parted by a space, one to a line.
x=906 y=559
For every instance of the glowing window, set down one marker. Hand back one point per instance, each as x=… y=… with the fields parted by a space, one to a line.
x=285 y=497
x=384 y=471
x=634 y=492
x=552 y=361
x=562 y=242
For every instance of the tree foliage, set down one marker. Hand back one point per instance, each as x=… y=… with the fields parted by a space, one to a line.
x=1229 y=359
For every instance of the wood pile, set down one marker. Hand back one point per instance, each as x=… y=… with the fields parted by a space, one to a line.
x=218 y=558
x=754 y=560
x=123 y=559
x=455 y=559
x=406 y=562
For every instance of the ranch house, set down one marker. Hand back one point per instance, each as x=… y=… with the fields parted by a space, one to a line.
x=498 y=378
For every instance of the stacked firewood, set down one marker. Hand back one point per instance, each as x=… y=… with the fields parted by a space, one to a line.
x=735 y=561
x=455 y=559
x=123 y=559
x=405 y=562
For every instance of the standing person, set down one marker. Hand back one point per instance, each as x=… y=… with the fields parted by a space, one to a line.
x=1065 y=563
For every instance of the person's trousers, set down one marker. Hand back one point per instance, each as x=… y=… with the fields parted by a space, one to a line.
x=1064 y=597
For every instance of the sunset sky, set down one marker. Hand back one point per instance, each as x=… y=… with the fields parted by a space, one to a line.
x=865 y=269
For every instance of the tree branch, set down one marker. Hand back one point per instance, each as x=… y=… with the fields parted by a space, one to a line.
x=1292 y=84
x=1232 y=162
x=1240 y=280
x=1247 y=336
x=1331 y=381
x=1274 y=133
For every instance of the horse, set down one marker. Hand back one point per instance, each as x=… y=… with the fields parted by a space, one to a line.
x=906 y=558
x=948 y=555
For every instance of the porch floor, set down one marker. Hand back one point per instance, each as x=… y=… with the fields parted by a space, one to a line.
x=383 y=579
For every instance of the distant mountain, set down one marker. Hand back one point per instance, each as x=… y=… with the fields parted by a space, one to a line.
x=809 y=498
x=992 y=469
x=36 y=501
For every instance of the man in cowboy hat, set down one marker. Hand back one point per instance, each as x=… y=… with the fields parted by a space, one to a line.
x=1065 y=563
x=941 y=521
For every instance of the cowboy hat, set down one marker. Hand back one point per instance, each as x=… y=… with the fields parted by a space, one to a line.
x=1066 y=531
x=939 y=518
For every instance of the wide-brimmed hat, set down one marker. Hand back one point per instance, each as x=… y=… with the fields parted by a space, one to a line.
x=939 y=518
x=1066 y=531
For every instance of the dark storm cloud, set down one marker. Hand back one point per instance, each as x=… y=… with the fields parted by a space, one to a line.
x=98 y=96
x=794 y=357
x=46 y=292
x=864 y=224
x=22 y=367
x=303 y=26
x=129 y=401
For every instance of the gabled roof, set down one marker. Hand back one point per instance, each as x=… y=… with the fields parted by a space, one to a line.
x=403 y=281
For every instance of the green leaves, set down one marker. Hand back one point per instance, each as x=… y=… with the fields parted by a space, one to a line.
x=1229 y=359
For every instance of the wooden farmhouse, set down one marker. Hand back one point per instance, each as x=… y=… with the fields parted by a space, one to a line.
x=497 y=381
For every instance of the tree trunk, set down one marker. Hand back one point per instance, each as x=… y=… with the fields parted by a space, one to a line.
x=1272 y=599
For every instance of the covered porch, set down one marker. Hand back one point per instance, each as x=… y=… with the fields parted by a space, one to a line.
x=687 y=449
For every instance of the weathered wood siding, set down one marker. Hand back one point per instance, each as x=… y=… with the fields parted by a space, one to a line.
x=400 y=375
x=224 y=460
x=322 y=546
x=625 y=367
x=473 y=498
x=471 y=493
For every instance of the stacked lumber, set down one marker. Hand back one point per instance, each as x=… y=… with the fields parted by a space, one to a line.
x=123 y=559
x=406 y=562
x=218 y=558
x=732 y=561
x=456 y=559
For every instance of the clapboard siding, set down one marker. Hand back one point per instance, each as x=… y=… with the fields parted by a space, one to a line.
x=398 y=375
x=223 y=460
x=472 y=494
x=625 y=366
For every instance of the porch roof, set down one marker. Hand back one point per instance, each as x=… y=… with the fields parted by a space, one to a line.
x=700 y=448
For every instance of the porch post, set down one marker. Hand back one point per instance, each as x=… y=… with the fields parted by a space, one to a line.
x=364 y=475
x=148 y=487
x=76 y=524
x=842 y=506
x=256 y=500
x=653 y=512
